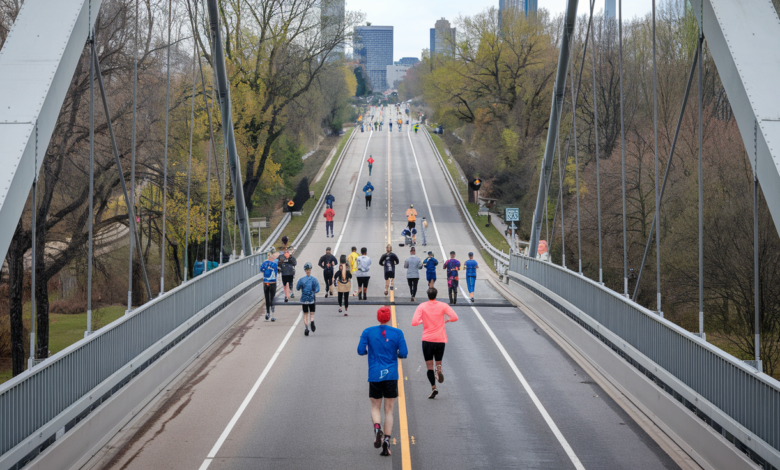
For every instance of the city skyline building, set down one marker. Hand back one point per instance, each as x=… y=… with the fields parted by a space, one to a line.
x=332 y=19
x=395 y=73
x=373 y=47
x=526 y=6
x=442 y=38
x=410 y=61
x=610 y=11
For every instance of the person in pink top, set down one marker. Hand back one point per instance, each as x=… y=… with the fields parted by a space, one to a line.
x=433 y=315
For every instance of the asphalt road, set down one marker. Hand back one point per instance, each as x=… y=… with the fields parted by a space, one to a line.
x=269 y=397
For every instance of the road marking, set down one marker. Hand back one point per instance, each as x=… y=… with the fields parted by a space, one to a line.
x=550 y=423
x=213 y=453
x=354 y=192
x=403 y=423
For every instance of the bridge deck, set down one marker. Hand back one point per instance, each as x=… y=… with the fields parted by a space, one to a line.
x=312 y=410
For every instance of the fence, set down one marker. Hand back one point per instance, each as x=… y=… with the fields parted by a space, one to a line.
x=48 y=400
x=749 y=398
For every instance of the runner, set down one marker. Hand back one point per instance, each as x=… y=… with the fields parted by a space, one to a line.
x=413 y=265
x=269 y=268
x=471 y=267
x=329 y=200
x=351 y=260
x=343 y=282
x=430 y=264
x=433 y=315
x=384 y=346
x=370 y=164
x=389 y=260
x=369 y=190
x=329 y=214
x=364 y=265
x=425 y=231
x=327 y=263
x=287 y=263
x=391 y=126
x=411 y=221
x=452 y=266
x=308 y=286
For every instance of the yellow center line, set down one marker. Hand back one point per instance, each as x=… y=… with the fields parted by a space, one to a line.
x=403 y=423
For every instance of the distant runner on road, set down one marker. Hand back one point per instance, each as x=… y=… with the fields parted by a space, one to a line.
x=269 y=268
x=413 y=265
x=433 y=315
x=362 y=275
x=329 y=200
x=452 y=266
x=411 y=221
x=389 y=260
x=328 y=262
x=370 y=164
x=287 y=263
x=329 y=215
x=384 y=346
x=352 y=260
x=369 y=190
x=424 y=231
x=308 y=286
x=471 y=267
x=430 y=264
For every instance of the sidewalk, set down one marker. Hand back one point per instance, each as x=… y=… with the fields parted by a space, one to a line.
x=498 y=221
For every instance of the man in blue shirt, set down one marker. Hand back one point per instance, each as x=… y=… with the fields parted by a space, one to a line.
x=471 y=267
x=308 y=286
x=369 y=190
x=430 y=264
x=384 y=346
x=329 y=200
x=269 y=268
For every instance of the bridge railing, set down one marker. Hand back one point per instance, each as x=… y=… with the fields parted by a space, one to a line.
x=41 y=404
x=744 y=396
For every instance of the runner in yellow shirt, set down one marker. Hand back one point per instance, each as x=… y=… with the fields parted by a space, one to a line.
x=352 y=261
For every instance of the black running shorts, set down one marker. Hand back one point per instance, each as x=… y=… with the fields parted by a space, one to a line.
x=308 y=308
x=288 y=280
x=389 y=275
x=363 y=281
x=384 y=389
x=433 y=351
x=411 y=225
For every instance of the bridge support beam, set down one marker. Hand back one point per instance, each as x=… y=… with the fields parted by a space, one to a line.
x=552 y=132
x=36 y=67
x=742 y=39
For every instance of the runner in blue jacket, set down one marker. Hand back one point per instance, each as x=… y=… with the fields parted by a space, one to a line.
x=384 y=346
x=308 y=285
x=368 y=189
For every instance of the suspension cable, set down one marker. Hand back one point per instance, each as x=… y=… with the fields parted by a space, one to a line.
x=165 y=154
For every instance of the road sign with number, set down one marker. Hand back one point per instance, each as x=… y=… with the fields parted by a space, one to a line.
x=512 y=215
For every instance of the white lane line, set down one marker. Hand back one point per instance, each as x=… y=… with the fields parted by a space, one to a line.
x=248 y=398
x=550 y=423
x=354 y=192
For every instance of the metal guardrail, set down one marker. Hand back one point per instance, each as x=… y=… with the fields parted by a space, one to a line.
x=315 y=213
x=275 y=234
x=750 y=399
x=41 y=404
x=500 y=256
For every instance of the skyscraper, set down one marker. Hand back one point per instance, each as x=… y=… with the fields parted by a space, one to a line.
x=609 y=9
x=442 y=38
x=373 y=47
x=526 y=6
x=332 y=19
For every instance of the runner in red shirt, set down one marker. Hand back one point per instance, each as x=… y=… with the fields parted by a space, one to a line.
x=433 y=315
x=329 y=214
x=370 y=164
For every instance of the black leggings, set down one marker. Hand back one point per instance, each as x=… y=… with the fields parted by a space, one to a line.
x=345 y=297
x=328 y=273
x=269 y=290
x=413 y=285
x=368 y=201
x=453 y=292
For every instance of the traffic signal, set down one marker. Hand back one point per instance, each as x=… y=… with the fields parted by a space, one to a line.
x=475 y=184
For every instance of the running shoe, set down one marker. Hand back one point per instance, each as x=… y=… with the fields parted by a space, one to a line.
x=412 y=299
x=472 y=300
x=306 y=332
x=378 y=435
x=267 y=316
x=434 y=392
x=339 y=309
x=313 y=328
x=292 y=295
x=326 y=295
x=273 y=319
x=439 y=375
x=385 y=291
x=345 y=314
x=286 y=300
x=385 y=447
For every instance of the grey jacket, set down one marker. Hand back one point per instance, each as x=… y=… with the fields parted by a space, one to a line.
x=363 y=263
x=287 y=265
x=413 y=265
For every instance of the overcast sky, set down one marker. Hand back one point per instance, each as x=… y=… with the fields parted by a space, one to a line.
x=413 y=19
